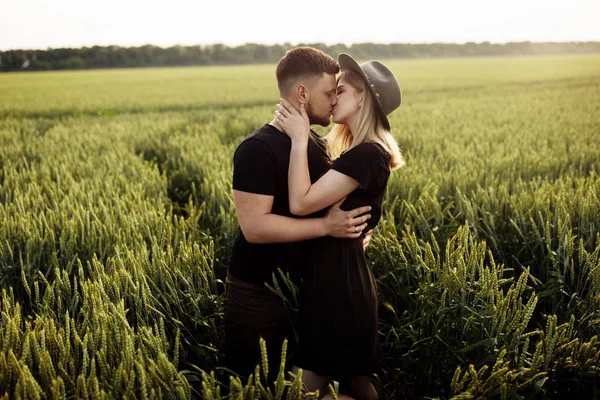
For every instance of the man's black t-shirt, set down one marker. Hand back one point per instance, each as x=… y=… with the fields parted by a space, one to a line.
x=260 y=165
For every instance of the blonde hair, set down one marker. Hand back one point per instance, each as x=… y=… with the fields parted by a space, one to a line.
x=369 y=126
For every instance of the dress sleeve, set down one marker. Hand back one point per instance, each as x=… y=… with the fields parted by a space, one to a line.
x=365 y=163
x=254 y=168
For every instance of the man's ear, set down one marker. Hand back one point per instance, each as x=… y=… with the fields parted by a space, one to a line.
x=302 y=94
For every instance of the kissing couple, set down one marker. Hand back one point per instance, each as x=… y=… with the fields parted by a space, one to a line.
x=307 y=205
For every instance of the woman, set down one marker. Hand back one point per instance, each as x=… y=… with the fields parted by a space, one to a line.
x=338 y=317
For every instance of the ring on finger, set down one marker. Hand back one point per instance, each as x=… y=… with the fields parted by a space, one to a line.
x=355 y=229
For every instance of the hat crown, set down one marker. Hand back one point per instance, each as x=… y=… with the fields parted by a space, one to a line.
x=384 y=84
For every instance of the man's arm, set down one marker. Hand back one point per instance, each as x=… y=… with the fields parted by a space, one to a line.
x=259 y=225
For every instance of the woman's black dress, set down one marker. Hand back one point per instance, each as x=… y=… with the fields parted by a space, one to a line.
x=338 y=304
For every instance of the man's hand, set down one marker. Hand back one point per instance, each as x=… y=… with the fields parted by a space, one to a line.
x=367 y=239
x=346 y=224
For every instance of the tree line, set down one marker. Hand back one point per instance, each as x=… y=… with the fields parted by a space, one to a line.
x=250 y=53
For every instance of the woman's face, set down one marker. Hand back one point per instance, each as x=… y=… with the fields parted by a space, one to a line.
x=349 y=101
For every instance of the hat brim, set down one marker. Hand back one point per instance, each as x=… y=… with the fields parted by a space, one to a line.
x=346 y=62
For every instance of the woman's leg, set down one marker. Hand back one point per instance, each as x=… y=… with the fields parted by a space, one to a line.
x=312 y=381
x=362 y=388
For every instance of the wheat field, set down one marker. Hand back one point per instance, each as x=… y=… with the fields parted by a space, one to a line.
x=117 y=220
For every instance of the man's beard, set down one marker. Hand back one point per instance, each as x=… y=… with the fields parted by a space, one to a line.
x=315 y=119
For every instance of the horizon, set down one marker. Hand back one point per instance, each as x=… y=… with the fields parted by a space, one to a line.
x=299 y=44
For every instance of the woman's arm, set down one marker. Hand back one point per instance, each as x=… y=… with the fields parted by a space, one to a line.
x=305 y=198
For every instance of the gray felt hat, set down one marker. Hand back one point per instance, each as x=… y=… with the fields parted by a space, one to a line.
x=380 y=80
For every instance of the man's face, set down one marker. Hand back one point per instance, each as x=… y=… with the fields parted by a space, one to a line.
x=322 y=99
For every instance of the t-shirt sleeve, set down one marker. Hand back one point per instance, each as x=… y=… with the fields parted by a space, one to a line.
x=254 y=168
x=365 y=163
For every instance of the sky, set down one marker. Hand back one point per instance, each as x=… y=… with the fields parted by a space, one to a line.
x=41 y=24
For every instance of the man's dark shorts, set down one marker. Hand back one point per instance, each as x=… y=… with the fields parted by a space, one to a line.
x=253 y=311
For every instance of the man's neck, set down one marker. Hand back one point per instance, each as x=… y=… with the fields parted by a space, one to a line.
x=275 y=123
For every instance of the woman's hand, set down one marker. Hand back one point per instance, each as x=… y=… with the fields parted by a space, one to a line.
x=295 y=124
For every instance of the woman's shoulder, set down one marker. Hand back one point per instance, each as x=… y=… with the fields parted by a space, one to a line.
x=368 y=150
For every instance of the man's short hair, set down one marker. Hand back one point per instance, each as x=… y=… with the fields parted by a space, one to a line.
x=303 y=63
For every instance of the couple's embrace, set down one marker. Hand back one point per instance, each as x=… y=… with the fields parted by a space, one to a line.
x=306 y=205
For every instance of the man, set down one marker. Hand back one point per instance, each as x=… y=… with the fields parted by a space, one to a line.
x=271 y=238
